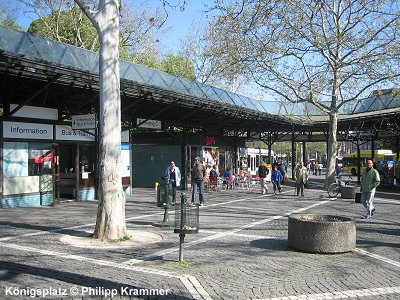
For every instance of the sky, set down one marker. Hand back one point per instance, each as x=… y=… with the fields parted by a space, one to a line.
x=178 y=23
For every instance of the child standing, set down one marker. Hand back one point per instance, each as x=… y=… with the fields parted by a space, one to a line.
x=276 y=179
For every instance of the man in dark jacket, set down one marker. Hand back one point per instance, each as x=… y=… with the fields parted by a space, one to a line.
x=262 y=173
x=198 y=176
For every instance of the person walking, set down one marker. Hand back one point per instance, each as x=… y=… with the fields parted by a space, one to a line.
x=369 y=181
x=283 y=170
x=301 y=177
x=276 y=178
x=262 y=173
x=198 y=176
x=316 y=168
x=173 y=175
x=308 y=167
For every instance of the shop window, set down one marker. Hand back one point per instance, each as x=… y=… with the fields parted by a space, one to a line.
x=27 y=159
x=87 y=158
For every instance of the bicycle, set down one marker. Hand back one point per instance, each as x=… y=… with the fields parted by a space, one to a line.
x=334 y=188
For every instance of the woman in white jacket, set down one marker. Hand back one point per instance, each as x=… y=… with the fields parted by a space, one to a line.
x=173 y=175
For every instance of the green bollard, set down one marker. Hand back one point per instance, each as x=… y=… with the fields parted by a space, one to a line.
x=167 y=204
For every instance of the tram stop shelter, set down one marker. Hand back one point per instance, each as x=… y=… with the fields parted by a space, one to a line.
x=45 y=84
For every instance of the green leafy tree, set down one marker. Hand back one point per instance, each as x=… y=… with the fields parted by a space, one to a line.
x=11 y=23
x=178 y=66
x=148 y=59
x=62 y=21
x=69 y=26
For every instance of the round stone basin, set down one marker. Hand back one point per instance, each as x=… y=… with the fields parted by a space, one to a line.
x=317 y=233
x=349 y=191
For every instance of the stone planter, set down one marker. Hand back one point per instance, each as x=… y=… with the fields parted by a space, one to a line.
x=321 y=233
x=349 y=191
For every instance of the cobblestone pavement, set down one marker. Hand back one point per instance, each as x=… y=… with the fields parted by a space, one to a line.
x=240 y=251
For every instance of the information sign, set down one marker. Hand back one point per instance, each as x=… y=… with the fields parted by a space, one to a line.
x=84 y=121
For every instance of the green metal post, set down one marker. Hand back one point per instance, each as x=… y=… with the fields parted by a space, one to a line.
x=181 y=242
x=183 y=223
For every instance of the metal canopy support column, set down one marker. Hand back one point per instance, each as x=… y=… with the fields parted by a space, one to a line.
x=235 y=154
x=327 y=151
x=270 y=142
x=293 y=154
x=358 y=160
x=77 y=170
x=372 y=148
x=304 y=152
x=1 y=166
x=183 y=157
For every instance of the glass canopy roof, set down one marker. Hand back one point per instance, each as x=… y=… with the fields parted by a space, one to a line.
x=43 y=49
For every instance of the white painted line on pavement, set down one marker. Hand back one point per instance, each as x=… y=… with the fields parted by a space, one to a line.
x=194 y=287
x=224 y=234
x=87 y=259
x=191 y=283
x=41 y=232
x=378 y=257
x=341 y=295
x=377 y=199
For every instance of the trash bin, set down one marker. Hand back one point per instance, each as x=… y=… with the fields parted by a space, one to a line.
x=186 y=217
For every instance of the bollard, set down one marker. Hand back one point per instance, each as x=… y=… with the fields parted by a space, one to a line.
x=164 y=199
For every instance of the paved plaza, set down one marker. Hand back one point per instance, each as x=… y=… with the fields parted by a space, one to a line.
x=240 y=251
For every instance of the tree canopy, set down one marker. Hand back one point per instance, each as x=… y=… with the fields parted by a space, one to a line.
x=69 y=26
x=301 y=50
x=178 y=66
x=63 y=21
x=319 y=53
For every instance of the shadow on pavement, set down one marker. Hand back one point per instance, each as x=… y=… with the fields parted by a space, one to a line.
x=271 y=244
x=78 y=233
x=14 y=269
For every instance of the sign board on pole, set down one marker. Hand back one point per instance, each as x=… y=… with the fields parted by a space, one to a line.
x=84 y=121
x=152 y=124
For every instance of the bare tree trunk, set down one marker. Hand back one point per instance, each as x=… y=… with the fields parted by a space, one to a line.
x=110 y=223
x=332 y=145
